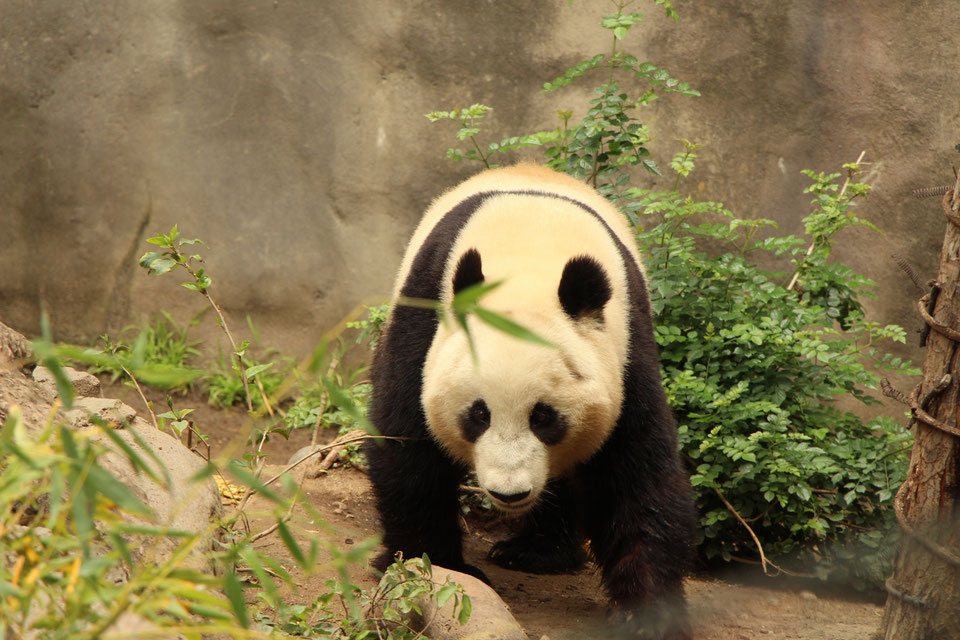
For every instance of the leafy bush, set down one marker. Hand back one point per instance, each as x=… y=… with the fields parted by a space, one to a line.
x=752 y=370
x=753 y=360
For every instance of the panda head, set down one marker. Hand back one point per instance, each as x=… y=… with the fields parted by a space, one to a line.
x=521 y=413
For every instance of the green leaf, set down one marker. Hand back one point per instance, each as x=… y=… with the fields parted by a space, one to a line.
x=236 y=469
x=510 y=327
x=234 y=592
x=445 y=592
x=466 y=608
x=291 y=544
x=255 y=370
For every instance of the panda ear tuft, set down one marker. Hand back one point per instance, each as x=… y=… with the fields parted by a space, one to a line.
x=584 y=289
x=469 y=271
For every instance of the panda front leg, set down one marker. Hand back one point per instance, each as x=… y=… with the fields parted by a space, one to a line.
x=641 y=537
x=550 y=540
x=416 y=488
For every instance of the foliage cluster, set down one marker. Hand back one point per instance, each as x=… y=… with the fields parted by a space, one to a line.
x=78 y=555
x=79 y=546
x=753 y=360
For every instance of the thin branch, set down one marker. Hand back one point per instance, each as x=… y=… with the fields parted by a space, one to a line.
x=763 y=557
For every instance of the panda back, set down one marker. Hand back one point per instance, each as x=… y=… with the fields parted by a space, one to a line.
x=449 y=215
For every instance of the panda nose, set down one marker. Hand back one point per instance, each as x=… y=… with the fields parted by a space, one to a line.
x=509 y=497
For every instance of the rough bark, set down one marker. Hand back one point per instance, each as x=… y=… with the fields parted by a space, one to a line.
x=924 y=600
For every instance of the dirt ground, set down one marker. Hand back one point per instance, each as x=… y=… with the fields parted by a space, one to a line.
x=566 y=607
x=571 y=607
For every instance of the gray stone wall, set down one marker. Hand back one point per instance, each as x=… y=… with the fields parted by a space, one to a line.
x=289 y=134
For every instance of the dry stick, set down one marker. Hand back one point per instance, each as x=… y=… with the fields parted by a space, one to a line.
x=843 y=189
x=763 y=557
x=336 y=443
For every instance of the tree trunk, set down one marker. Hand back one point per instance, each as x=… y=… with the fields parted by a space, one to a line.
x=924 y=600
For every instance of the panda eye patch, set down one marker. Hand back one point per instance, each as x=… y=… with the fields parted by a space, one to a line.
x=475 y=420
x=548 y=425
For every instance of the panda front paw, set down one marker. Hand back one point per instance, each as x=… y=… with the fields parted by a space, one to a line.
x=386 y=558
x=649 y=623
x=535 y=554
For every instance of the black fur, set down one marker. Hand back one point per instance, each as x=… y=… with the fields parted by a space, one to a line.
x=469 y=271
x=416 y=484
x=584 y=289
x=475 y=421
x=548 y=425
x=632 y=499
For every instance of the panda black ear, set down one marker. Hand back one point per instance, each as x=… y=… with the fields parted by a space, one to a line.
x=584 y=289
x=469 y=271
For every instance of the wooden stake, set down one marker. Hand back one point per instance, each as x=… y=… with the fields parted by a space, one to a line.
x=924 y=600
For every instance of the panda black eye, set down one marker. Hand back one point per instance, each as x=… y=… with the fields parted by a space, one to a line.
x=475 y=420
x=548 y=425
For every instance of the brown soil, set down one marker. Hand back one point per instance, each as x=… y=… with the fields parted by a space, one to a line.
x=566 y=607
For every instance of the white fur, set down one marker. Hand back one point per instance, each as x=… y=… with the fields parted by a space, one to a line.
x=525 y=241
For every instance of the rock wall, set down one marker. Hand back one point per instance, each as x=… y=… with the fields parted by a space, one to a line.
x=289 y=135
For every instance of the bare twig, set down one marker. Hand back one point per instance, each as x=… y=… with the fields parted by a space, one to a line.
x=336 y=443
x=763 y=557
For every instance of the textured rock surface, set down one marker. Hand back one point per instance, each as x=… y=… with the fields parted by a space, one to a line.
x=112 y=411
x=491 y=618
x=290 y=135
x=187 y=505
x=85 y=384
x=13 y=346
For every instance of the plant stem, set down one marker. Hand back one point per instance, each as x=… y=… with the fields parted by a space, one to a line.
x=223 y=325
x=483 y=158
x=813 y=245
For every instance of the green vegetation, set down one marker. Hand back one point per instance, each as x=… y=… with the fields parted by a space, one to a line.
x=760 y=334
x=83 y=551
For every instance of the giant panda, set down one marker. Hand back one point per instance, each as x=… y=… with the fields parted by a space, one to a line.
x=576 y=437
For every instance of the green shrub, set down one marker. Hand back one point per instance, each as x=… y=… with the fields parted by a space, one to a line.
x=753 y=370
x=753 y=360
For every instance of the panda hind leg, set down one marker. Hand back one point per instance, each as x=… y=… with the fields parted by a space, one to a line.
x=549 y=541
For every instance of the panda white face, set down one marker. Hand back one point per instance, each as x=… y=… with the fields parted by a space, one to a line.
x=522 y=413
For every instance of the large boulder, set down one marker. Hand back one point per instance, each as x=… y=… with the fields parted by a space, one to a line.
x=185 y=505
x=491 y=618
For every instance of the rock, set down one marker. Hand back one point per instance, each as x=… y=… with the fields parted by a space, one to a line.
x=807 y=595
x=85 y=384
x=303 y=452
x=14 y=347
x=130 y=625
x=491 y=618
x=35 y=405
x=187 y=505
x=107 y=409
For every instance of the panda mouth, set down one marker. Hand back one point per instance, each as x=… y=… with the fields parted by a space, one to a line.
x=513 y=507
